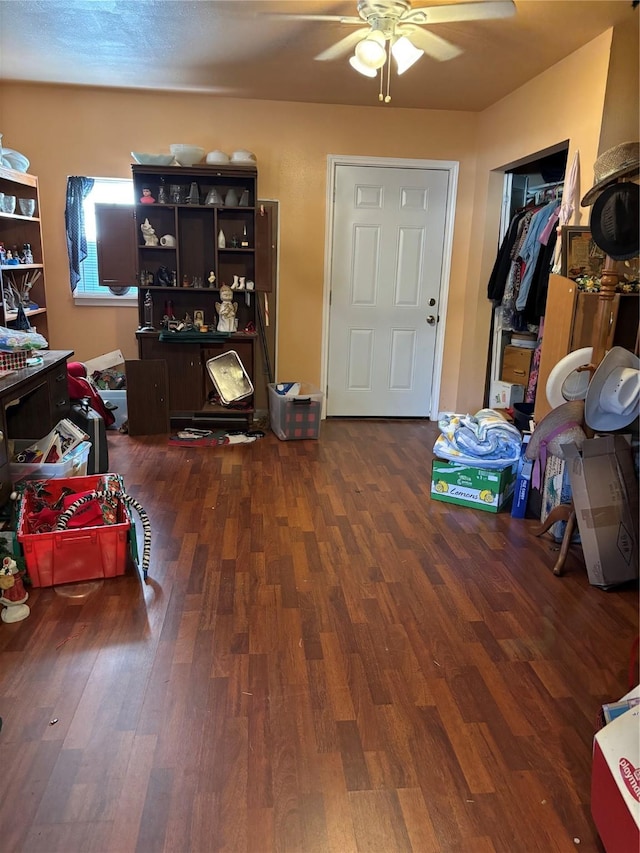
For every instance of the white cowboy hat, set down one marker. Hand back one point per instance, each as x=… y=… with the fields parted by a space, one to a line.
x=565 y=382
x=614 y=392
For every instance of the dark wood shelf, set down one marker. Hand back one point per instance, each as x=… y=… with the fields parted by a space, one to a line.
x=196 y=228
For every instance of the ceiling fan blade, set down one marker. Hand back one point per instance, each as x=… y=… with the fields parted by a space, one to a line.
x=291 y=16
x=344 y=46
x=461 y=12
x=433 y=45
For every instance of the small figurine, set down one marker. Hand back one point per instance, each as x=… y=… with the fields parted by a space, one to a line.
x=227 y=310
x=212 y=278
x=147 y=198
x=12 y=592
x=150 y=236
x=165 y=277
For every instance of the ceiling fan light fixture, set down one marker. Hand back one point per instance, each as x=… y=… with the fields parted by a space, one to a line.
x=405 y=54
x=371 y=50
x=354 y=62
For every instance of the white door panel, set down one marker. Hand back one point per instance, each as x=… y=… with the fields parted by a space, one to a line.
x=387 y=255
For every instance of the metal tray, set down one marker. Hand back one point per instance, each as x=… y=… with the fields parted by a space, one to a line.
x=230 y=378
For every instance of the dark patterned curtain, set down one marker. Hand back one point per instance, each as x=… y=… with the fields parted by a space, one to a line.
x=77 y=190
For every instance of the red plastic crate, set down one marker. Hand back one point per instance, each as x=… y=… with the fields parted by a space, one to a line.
x=72 y=555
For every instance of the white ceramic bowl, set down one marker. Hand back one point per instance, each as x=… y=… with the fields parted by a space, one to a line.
x=152 y=159
x=14 y=160
x=187 y=155
x=242 y=156
x=217 y=157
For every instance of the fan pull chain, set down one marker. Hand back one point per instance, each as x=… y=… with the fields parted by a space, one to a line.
x=388 y=64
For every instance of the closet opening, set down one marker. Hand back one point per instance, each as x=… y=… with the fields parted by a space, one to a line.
x=528 y=250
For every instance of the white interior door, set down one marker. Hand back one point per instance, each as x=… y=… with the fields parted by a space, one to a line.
x=386 y=270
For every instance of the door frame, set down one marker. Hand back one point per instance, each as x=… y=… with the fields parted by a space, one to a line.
x=450 y=166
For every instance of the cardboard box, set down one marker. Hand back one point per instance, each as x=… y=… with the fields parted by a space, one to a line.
x=615 y=781
x=480 y=488
x=109 y=361
x=605 y=495
x=503 y=395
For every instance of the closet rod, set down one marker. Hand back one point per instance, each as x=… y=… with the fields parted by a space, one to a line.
x=556 y=184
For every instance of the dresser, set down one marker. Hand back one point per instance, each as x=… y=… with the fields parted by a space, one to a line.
x=32 y=401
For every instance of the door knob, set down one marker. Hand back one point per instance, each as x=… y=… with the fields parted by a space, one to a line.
x=431 y=320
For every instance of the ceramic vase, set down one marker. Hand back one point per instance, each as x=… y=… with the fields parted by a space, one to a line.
x=231 y=198
x=222 y=240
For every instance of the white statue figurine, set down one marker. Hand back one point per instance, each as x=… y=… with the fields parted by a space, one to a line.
x=227 y=310
x=150 y=237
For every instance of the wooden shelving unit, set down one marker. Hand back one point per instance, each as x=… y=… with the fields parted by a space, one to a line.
x=15 y=231
x=195 y=228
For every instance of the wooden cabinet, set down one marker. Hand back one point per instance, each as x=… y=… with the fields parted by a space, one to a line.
x=18 y=231
x=32 y=401
x=204 y=219
x=516 y=364
x=569 y=325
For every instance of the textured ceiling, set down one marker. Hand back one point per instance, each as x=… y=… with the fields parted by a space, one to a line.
x=234 y=48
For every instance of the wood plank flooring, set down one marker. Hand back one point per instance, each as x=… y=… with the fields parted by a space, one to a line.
x=323 y=659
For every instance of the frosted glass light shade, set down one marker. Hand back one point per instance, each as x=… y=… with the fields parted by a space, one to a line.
x=405 y=54
x=371 y=50
x=354 y=62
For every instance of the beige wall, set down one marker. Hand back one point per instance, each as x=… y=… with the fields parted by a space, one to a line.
x=564 y=103
x=67 y=131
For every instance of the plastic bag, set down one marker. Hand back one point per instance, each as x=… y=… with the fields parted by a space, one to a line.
x=12 y=339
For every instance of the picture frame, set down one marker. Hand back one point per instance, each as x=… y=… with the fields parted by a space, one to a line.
x=198 y=318
x=580 y=256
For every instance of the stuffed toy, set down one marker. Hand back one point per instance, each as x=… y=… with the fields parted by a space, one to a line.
x=12 y=592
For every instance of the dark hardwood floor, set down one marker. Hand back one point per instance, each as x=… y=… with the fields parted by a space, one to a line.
x=323 y=659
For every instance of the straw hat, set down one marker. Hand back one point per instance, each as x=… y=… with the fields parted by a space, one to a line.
x=562 y=425
x=618 y=162
x=614 y=392
x=615 y=221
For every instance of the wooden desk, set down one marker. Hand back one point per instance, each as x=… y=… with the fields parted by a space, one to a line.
x=32 y=401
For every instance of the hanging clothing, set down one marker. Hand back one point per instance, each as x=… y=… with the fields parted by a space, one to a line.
x=570 y=201
x=500 y=271
x=530 y=251
x=537 y=297
x=510 y=319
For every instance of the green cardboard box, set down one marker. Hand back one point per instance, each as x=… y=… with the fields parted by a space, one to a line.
x=480 y=488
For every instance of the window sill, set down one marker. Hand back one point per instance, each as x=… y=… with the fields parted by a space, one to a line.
x=97 y=300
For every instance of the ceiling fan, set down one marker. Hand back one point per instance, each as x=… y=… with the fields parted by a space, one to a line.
x=390 y=23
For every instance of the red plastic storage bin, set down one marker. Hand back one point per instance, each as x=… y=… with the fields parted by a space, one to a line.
x=72 y=555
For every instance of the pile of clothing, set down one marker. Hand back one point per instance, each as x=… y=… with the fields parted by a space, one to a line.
x=483 y=440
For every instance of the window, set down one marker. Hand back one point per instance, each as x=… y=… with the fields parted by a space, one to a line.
x=106 y=191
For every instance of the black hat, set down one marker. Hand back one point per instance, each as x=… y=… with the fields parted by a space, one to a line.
x=615 y=221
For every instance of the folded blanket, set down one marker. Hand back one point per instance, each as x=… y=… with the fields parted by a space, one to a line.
x=483 y=440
